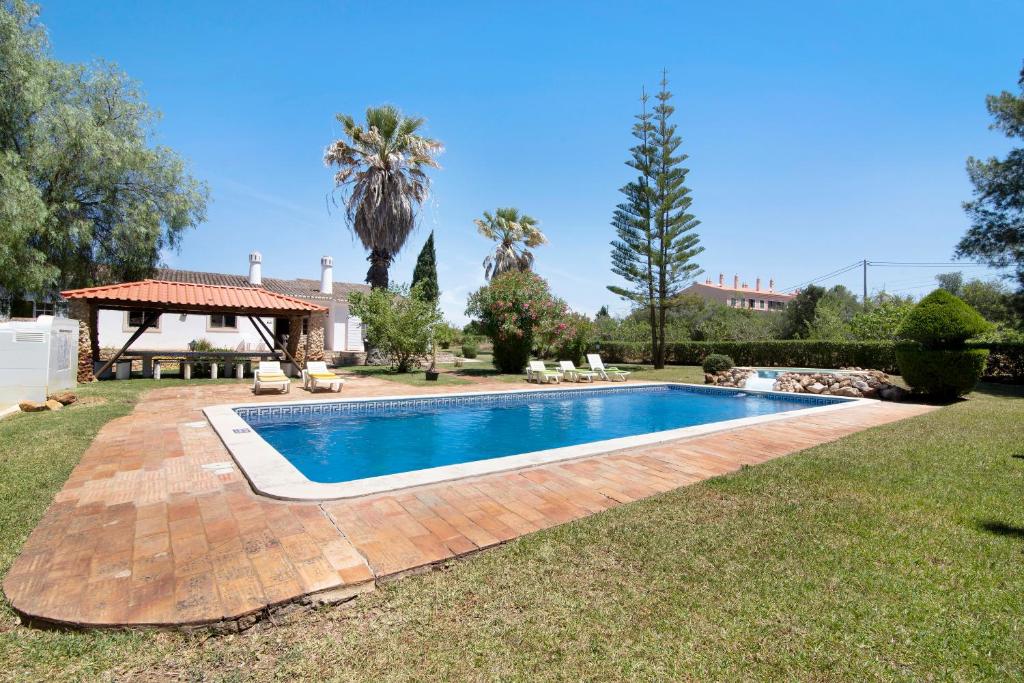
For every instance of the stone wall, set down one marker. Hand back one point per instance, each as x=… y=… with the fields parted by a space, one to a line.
x=733 y=377
x=79 y=310
x=855 y=384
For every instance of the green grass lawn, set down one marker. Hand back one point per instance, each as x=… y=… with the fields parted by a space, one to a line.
x=676 y=373
x=895 y=553
x=416 y=378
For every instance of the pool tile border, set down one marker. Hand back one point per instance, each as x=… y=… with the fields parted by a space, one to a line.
x=271 y=474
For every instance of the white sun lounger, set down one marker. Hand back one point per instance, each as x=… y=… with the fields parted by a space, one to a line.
x=610 y=374
x=538 y=372
x=575 y=374
x=269 y=376
x=317 y=376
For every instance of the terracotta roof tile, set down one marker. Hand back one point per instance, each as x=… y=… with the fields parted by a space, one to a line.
x=185 y=294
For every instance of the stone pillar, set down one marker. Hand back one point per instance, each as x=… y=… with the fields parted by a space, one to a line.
x=317 y=333
x=79 y=310
x=295 y=337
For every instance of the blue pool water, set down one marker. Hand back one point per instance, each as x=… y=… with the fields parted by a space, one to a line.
x=345 y=441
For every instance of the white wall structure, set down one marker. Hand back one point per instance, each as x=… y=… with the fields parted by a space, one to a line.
x=174 y=332
x=37 y=358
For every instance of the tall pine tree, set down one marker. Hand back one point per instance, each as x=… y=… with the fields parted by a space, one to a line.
x=656 y=241
x=425 y=272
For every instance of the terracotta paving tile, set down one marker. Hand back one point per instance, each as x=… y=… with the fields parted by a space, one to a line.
x=142 y=534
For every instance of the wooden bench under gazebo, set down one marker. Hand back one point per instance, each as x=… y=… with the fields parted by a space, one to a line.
x=152 y=298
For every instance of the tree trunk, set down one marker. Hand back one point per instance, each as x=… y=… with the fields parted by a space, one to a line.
x=377 y=276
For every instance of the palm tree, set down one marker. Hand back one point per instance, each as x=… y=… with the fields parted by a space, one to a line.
x=513 y=232
x=382 y=173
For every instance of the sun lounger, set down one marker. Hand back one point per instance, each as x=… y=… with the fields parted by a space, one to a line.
x=317 y=376
x=575 y=374
x=537 y=372
x=269 y=376
x=610 y=374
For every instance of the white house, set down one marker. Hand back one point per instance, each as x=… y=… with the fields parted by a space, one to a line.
x=342 y=332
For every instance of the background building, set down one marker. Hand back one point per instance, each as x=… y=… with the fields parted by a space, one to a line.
x=741 y=295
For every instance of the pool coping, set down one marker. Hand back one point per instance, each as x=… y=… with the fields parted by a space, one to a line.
x=271 y=474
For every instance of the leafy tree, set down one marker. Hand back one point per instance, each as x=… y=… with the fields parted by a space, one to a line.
x=382 y=176
x=829 y=323
x=996 y=235
x=515 y=234
x=951 y=282
x=656 y=241
x=603 y=313
x=800 y=311
x=400 y=323
x=86 y=197
x=990 y=298
x=425 y=272
x=881 y=321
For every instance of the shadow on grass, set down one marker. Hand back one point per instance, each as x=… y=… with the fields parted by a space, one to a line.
x=1001 y=390
x=1002 y=529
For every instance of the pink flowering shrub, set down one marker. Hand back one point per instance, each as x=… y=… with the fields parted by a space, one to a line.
x=518 y=312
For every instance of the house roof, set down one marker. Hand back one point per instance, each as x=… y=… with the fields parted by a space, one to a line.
x=301 y=288
x=189 y=297
x=746 y=292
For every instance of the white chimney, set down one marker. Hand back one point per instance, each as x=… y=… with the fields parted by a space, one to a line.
x=771 y=285
x=256 y=269
x=326 y=275
x=721 y=279
x=757 y=287
x=735 y=281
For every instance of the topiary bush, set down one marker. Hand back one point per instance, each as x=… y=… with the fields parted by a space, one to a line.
x=943 y=374
x=718 y=362
x=934 y=358
x=941 y=321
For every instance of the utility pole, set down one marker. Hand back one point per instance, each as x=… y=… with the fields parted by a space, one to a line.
x=865 y=262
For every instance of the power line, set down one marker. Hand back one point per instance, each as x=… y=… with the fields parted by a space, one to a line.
x=827 y=276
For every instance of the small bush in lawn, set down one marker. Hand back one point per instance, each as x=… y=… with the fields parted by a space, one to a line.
x=717 y=362
x=934 y=358
x=470 y=348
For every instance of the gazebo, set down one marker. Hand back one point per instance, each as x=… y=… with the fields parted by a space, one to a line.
x=155 y=297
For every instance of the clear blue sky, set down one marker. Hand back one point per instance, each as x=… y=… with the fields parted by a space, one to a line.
x=819 y=133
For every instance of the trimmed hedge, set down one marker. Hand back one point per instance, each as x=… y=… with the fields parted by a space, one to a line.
x=942 y=321
x=941 y=373
x=1005 y=362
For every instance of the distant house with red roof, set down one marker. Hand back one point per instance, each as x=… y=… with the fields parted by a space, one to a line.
x=741 y=295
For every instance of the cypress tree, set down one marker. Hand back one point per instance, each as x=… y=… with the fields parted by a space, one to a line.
x=425 y=272
x=656 y=240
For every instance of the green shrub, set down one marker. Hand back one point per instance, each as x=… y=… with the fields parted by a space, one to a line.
x=941 y=373
x=470 y=348
x=516 y=310
x=942 y=321
x=399 y=323
x=717 y=362
x=935 y=359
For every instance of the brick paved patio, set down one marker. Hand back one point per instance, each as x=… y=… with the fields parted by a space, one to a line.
x=157 y=526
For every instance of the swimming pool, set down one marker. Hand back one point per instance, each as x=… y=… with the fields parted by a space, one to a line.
x=328 y=449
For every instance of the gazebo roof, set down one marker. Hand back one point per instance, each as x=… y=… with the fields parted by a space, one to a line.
x=187 y=297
